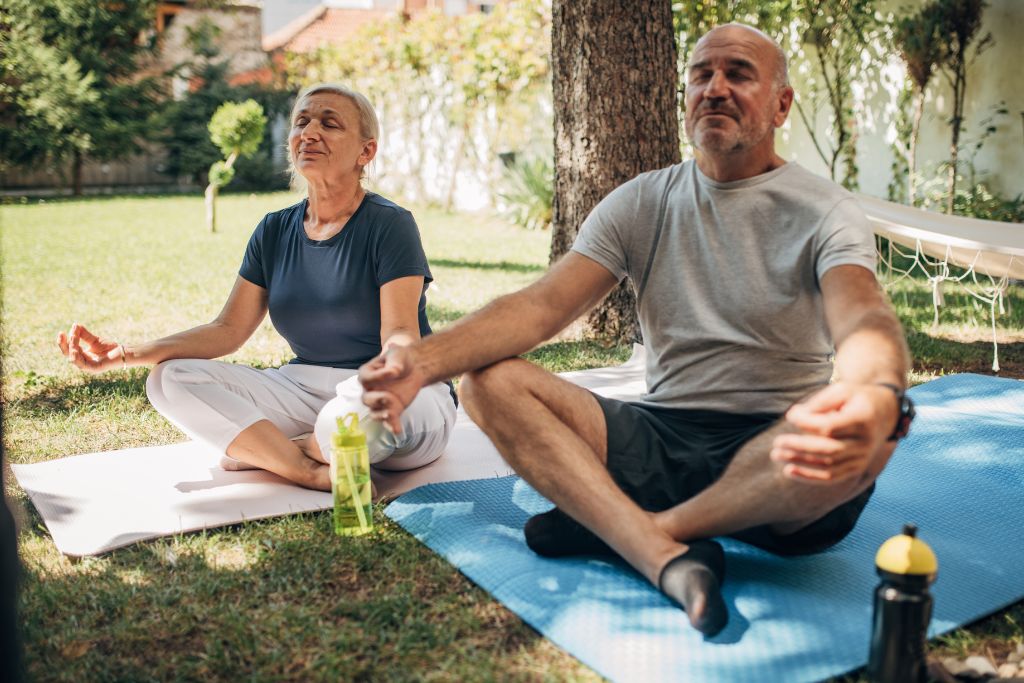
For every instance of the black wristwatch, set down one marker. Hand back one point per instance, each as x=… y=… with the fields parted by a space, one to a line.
x=907 y=411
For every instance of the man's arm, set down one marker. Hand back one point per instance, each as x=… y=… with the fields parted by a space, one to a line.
x=504 y=328
x=844 y=428
x=870 y=346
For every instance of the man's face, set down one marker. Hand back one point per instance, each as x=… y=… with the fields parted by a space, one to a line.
x=732 y=102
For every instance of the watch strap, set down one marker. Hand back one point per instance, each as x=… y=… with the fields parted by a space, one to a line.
x=906 y=408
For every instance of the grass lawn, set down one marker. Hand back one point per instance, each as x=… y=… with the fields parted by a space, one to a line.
x=283 y=599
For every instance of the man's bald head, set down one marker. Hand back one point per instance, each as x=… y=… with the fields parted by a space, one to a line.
x=780 y=69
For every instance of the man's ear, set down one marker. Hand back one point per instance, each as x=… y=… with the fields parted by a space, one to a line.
x=784 y=103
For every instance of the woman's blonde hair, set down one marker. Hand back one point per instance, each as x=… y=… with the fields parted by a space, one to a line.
x=369 y=126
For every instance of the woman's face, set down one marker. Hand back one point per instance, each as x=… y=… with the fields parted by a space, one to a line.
x=325 y=140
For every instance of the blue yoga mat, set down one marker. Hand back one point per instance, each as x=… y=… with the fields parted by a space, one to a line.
x=959 y=476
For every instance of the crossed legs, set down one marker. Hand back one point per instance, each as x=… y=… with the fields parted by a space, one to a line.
x=554 y=435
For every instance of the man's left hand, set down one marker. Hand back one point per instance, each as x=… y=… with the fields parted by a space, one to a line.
x=842 y=433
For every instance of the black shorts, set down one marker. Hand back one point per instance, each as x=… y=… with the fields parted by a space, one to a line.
x=663 y=456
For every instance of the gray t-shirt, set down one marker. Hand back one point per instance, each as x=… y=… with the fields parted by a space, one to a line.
x=728 y=289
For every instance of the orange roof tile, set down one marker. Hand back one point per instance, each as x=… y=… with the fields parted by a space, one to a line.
x=321 y=26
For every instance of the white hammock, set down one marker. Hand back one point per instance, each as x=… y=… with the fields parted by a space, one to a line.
x=989 y=249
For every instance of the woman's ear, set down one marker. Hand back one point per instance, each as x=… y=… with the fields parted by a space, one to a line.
x=369 y=152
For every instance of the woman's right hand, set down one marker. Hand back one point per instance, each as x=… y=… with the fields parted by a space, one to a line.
x=88 y=352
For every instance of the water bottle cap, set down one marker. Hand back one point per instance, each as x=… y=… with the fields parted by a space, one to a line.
x=349 y=435
x=907 y=554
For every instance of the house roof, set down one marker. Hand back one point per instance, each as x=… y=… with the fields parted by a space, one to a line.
x=319 y=26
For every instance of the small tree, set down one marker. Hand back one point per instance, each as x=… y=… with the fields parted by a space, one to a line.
x=237 y=130
x=841 y=33
x=959 y=21
x=918 y=40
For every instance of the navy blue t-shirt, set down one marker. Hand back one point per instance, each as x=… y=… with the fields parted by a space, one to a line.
x=324 y=296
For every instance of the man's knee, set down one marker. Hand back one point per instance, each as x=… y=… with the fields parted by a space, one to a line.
x=479 y=389
x=813 y=501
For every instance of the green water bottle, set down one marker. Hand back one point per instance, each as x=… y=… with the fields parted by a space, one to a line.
x=350 y=478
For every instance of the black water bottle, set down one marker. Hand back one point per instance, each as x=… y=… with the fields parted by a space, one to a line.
x=903 y=609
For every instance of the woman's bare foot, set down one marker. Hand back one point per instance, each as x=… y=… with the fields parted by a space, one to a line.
x=263 y=445
x=319 y=477
x=310 y=448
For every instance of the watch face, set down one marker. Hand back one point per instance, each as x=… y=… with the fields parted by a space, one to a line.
x=907 y=414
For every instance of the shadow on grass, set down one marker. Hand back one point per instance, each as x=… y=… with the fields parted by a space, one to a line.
x=41 y=395
x=937 y=355
x=440 y=315
x=915 y=306
x=489 y=265
x=565 y=356
x=62 y=395
x=275 y=600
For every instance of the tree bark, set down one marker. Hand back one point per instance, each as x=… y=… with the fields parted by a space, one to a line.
x=615 y=98
x=76 y=174
x=915 y=131
x=956 y=123
x=210 y=200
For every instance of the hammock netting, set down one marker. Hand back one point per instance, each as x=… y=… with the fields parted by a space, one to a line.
x=982 y=257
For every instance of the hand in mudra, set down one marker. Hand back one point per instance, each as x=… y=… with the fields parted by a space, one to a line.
x=390 y=383
x=88 y=352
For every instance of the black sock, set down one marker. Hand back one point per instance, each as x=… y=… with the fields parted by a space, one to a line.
x=694 y=580
x=556 y=534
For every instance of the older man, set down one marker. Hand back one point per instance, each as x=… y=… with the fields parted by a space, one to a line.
x=749 y=271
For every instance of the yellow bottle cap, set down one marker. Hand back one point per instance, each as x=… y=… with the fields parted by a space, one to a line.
x=907 y=554
x=349 y=435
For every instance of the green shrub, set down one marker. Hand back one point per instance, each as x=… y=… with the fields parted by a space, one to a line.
x=529 y=193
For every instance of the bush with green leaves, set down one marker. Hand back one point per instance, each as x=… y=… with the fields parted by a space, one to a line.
x=454 y=90
x=529 y=193
x=71 y=82
x=237 y=128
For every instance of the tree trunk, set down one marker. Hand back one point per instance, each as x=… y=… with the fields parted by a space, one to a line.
x=210 y=197
x=915 y=131
x=954 y=146
x=76 y=174
x=614 y=79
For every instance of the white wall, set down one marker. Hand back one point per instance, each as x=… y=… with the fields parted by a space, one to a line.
x=997 y=75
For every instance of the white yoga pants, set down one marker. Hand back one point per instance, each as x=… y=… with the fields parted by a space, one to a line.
x=213 y=402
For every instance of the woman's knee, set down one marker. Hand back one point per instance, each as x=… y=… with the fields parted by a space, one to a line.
x=168 y=378
x=380 y=442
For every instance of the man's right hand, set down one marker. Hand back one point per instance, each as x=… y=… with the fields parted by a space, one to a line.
x=390 y=383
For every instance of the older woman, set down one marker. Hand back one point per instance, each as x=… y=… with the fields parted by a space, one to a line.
x=343 y=275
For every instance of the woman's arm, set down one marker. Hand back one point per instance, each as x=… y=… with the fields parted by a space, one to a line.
x=399 y=311
x=242 y=313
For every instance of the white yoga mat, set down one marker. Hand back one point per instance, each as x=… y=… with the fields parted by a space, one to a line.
x=96 y=502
